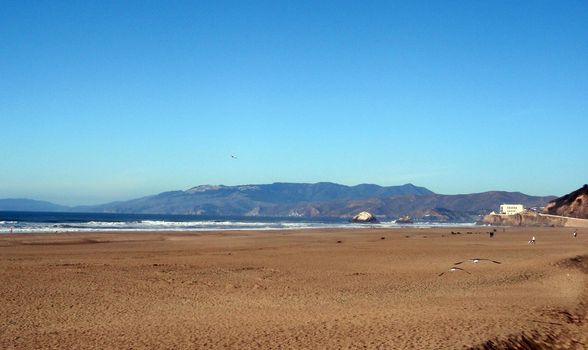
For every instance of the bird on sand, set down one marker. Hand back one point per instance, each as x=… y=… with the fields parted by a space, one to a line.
x=477 y=260
x=575 y=233
x=455 y=269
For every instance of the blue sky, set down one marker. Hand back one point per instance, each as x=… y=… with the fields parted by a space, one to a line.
x=105 y=100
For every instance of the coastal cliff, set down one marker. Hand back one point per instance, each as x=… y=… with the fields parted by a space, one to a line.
x=533 y=219
x=523 y=219
x=570 y=210
x=574 y=204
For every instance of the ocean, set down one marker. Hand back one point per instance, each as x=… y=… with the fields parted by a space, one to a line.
x=29 y=222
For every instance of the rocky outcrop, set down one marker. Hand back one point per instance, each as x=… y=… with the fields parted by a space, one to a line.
x=574 y=205
x=529 y=218
x=404 y=220
x=524 y=219
x=364 y=217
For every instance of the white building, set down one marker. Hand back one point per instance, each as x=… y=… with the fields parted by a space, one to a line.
x=511 y=209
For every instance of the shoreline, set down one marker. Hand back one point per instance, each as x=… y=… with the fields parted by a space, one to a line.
x=347 y=226
x=291 y=288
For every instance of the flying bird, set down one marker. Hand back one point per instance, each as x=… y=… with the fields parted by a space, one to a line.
x=233 y=156
x=477 y=260
x=455 y=269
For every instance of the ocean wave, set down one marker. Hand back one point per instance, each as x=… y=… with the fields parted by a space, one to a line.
x=203 y=223
x=204 y=226
x=109 y=223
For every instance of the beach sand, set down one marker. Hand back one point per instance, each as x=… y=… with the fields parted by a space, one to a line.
x=311 y=289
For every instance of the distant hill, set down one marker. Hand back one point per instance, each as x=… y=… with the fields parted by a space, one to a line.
x=306 y=200
x=574 y=204
x=21 y=204
x=252 y=199
x=321 y=199
x=434 y=207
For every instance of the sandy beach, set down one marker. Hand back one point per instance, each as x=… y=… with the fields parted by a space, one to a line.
x=308 y=289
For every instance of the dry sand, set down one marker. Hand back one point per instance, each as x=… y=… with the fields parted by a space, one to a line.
x=294 y=289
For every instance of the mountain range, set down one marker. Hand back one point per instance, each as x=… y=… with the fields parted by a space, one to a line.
x=322 y=199
x=23 y=204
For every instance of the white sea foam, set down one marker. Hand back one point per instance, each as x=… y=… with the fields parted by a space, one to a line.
x=195 y=226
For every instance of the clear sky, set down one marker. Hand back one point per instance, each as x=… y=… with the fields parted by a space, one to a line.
x=110 y=100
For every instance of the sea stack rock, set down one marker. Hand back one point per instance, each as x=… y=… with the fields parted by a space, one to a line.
x=364 y=216
x=404 y=220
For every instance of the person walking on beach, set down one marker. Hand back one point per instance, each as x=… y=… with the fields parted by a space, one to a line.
x=532 y=241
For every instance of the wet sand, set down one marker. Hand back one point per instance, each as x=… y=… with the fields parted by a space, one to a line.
x=308 y=289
